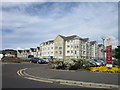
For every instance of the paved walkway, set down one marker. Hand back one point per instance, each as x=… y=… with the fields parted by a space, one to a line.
x=45 y=72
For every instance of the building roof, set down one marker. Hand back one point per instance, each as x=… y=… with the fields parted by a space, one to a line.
x=85 y=39
x=68 y=37
x=33 y=49
x=50 y=41
x=20 y=51
x=27 y=50
x=100 y=45
x=38 y=48
x=92 y=42
x=73 y=37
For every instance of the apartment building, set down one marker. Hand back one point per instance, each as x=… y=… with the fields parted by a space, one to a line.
x=38 y=53
x=33 y=51
x=47 y=49
x=100 y=51
x=23 y=53
x=93 y=50
x=68 y=47
x=72 y=47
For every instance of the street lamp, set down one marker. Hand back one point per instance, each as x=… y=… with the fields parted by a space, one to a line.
x=103 y=38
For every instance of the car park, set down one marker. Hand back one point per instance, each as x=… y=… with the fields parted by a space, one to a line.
x=37 y=60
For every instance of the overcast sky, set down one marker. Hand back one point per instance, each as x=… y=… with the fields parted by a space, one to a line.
x=26 y=25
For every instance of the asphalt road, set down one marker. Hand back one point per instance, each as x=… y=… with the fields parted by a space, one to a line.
x=10 y=79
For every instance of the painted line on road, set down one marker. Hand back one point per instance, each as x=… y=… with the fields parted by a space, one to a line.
x=38 y=80
x=65 y=82
x=54 y=80
x=18 y=72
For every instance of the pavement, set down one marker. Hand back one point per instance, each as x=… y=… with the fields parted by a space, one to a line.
x=77 y=78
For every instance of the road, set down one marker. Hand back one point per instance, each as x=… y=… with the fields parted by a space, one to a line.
x=10 y=79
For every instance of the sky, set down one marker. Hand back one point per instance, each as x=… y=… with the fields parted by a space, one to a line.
x=27 y=24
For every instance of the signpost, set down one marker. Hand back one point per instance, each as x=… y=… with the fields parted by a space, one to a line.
x=109 y=53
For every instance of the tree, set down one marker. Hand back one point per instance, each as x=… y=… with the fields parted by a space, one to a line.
x=10 y=51
x=117 y=53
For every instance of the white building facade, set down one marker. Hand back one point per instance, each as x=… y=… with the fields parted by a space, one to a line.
x=70 y=47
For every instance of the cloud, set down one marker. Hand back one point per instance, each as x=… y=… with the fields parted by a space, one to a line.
x=27 y=25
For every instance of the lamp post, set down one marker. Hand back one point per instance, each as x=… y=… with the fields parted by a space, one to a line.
x=103 y=38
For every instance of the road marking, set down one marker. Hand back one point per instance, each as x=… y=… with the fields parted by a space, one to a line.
x=38 y=80
x=64 y=82
x=18 y=73
x=21 y=73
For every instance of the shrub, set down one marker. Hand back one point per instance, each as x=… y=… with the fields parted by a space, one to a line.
x=80 y=64
x=117 y=62
x=57 y=64
x=16 y=61
x=70 y=64
x=105 y=69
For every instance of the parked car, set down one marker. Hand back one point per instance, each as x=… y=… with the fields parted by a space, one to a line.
x=92 y=63
x=23 y=58
x=49 y=59
x=37 y=60
x=96 y=63
x=46 y=59
x=102 y=62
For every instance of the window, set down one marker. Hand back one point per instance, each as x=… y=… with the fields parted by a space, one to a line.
x=83 y=52
x=75 y=52
x=51 y=47
x=77 y=46
x=71 y=46
x=68 y=46
x=60 y=52
x=59 y=42
x=68 y=51
x=56 y=52
x=71 y=51
x=68 y=41
x=56 y=47
x=51 y=52
x=60 y=47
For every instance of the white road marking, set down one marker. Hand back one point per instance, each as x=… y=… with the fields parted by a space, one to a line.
x=31 y=77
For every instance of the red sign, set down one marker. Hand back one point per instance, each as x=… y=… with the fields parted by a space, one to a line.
x=109 y=54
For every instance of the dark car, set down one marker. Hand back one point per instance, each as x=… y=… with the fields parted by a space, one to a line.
x=37 y=60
